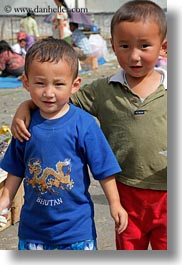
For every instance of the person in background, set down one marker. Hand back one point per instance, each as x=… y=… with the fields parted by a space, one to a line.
x=58 y=211
x=19 y=47
x=11 y=63
x=29 y=25
x=82 y=46
x=80 y=42
x=60 y=22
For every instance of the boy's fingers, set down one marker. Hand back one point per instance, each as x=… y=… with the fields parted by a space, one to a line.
x=16 y=134
x=121 y=228
x=121 y=225
x=20 y=132
x=23 y=134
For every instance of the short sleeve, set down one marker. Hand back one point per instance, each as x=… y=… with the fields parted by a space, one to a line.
x=13 y=160
x=101 y=159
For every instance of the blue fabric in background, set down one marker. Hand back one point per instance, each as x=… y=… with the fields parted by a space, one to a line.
x=101 y=61
x=10 y=82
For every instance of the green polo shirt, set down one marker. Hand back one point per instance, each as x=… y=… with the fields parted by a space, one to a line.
x=136 y=130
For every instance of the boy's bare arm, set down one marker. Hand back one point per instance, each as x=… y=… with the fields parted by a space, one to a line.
x=11 y=186
x=21 y=121
x=118 y=213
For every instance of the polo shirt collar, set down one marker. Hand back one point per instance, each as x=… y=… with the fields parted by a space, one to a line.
x=119 y=77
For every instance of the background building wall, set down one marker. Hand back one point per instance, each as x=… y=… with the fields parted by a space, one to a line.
x=101 y=12
x=111 y=6
x=92 y=5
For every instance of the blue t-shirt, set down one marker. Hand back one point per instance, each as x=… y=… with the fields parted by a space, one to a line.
x=54 y=164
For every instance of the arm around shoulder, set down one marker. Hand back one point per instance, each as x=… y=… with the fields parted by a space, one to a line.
x=88 y=96
x=21 y=120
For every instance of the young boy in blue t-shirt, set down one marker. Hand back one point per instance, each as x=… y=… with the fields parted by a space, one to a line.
x=58 y=212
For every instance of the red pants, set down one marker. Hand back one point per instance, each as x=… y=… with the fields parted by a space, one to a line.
x=147 y=219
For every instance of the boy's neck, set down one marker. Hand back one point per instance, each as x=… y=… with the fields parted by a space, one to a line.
x=56 y=114
x=144 y=86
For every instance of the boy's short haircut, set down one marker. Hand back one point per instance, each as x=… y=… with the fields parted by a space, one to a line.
x=52 y=50
x=138 y=10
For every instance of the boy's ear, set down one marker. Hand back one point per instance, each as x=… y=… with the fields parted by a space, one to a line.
x=76 y=85
x=164 y=45
x=163 y=49
x=25 y=82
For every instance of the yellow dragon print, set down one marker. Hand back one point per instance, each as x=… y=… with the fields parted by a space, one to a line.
x=48 y=179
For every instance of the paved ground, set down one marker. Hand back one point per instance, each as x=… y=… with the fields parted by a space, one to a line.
x=9 y=101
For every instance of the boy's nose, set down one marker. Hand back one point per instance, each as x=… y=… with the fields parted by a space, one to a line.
x=48 y=92
x=135 y=55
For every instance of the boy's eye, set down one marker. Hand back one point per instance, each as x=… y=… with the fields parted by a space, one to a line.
x=39 y=83
x=59 y=84
x=124 y=46
x=145 y=46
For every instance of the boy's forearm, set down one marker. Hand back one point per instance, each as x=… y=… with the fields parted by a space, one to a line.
x=118 y=213
x=27 y=105
x=110 y=189
x=30 y=104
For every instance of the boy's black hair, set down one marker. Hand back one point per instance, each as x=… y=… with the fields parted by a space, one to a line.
x=52 y=50
x=138 y=10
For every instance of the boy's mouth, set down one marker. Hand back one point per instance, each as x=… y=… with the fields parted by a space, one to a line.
x=48 y=102
x=135 y=68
